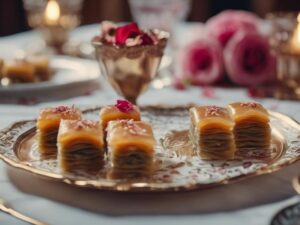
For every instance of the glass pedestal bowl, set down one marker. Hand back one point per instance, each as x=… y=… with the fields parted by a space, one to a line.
x=130 y=70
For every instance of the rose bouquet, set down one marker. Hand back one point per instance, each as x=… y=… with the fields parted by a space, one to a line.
x=231 y=44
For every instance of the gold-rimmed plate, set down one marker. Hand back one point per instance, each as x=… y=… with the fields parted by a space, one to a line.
x=174 y=170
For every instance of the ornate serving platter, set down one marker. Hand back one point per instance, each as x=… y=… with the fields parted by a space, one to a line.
x=175 y=168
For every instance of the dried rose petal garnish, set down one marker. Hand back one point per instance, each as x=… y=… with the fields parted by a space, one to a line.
x=249 y=104
x=127 y=31
x=108 y=30
x=128 y=35
x=133 y=128
x=213 y=111
x=124 y=106
x=61 y=108
x=81 y=124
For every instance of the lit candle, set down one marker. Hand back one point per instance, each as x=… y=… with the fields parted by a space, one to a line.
x=52 y=13
x=295 y=40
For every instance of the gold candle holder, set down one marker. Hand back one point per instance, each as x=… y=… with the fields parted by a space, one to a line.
x=288 y=76
x=285 y=41
x=54 y=19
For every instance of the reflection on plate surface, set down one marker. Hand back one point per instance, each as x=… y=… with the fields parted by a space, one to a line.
x=174 y=169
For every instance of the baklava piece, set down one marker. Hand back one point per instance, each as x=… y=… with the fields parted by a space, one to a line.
x=122 y=110
x=131 y=144
x=211 y=132
x=41 y=66
x=80 y=145
x=48 y=124
x=251 y=130
x=19 y=71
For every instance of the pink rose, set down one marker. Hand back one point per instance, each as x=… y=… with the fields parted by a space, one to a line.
x=248 y=59
x=224 y=25
x=202 y=61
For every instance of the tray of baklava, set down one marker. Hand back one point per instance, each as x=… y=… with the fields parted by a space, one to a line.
x=39 y=72
x=123 y=147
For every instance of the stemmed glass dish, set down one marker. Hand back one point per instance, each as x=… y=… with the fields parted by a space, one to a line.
x=130 y=69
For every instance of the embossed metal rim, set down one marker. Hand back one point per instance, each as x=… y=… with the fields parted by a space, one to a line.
x=289 y=215
x=144 y=187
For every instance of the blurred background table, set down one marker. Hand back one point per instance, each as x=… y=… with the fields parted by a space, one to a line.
x=56 y=213
x=13 y=19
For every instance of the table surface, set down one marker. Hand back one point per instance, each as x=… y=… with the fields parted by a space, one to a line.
x=56 y=213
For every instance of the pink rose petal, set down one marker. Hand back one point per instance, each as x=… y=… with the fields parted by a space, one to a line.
x=124 y=106
x=208 y=92
x=108 y=31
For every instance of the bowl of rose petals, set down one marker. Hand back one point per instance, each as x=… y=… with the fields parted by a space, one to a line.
x=129 y=57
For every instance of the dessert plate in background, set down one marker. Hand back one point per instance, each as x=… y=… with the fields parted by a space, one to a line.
x=174 y=170
x=70 y=74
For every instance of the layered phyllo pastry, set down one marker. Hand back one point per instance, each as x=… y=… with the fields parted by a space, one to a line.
x=251 y=130
x=18 y=71
x=131 y=144
x=211 y=132
x=122 y=110
x=48 y=124
x=80 y=145
x=41 y=66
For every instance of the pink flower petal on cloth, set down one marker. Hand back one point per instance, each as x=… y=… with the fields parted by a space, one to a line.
x=180 y=83
x=224 y=25
x=208 y=92
x=248 y=59
x=202 y=61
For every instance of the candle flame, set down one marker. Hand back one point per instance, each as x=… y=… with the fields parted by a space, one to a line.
x=52 y=12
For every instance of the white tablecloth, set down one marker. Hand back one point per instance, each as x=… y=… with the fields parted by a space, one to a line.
x=56 y=213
